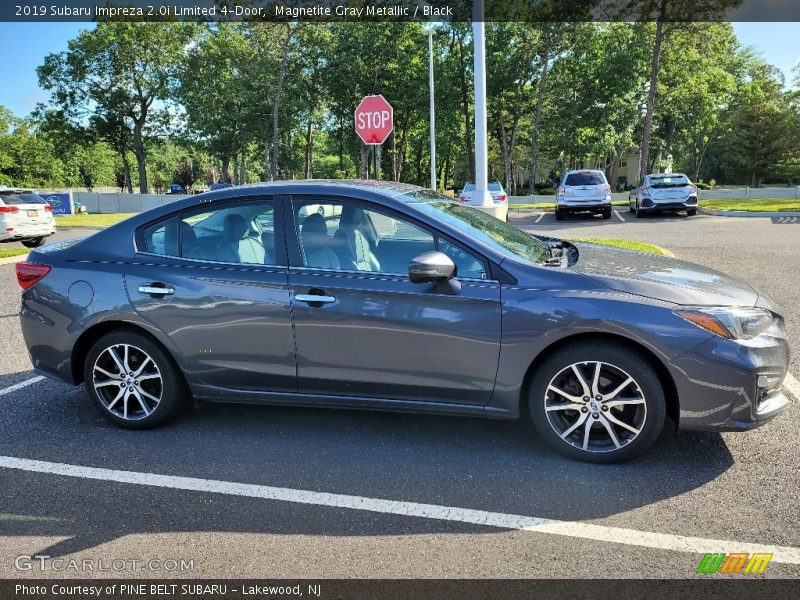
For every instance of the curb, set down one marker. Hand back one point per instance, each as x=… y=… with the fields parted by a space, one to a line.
x=663 y=250
x=13 y=259
x=746 y=213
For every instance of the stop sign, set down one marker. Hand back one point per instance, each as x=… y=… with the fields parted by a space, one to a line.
x=374 y=120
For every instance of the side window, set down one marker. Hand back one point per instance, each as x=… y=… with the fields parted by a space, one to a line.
x=236 y=233
x=467 y=265
x=348 y=237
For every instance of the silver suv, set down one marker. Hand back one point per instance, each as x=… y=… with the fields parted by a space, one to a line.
x=585 y=190
x=663 y=191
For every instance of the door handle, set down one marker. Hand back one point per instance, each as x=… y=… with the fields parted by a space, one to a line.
x=313 y=298
x=156 y=290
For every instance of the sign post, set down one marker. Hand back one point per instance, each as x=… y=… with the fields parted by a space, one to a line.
x=374 y=121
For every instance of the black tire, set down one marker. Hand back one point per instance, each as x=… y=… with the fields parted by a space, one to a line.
x=631 y=209
x=607 y=213
x=638 y=211
x=622 y=360
x=559 y=215
x=691 y=212
x=34 y=243
x=171 y=390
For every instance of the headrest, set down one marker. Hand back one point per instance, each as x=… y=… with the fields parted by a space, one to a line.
x=315 y=225
x=188 y=236
x=235 y=227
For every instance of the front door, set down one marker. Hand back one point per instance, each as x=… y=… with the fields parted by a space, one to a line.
x=362 y=329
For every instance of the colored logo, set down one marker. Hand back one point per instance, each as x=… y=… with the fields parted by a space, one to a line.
x=735 y=562
x=54 y=201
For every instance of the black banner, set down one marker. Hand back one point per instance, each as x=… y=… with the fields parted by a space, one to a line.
x=708 y=587
x=399 y=10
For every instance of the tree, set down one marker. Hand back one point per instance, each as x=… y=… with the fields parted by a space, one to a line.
x=112 y=76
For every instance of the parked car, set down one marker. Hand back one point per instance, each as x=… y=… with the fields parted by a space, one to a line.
x=585 y=190
x=242 y=296
x=496 y=191
x=25 y=217
x=177 y=188
x=663 y=192
x=220 y=185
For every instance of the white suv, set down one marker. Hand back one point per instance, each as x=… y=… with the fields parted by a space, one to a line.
x=584 y=190
x=25 y=217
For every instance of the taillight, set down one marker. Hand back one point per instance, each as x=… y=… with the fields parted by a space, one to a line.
x=9 y=209
x=462 y=199
x=561 y=191
x=48 y=208
x=501 y=198
x=694 y=188
x=30 y=273
x=608 y=189
x=645 y=191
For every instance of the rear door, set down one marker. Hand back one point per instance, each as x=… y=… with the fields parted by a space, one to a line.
x=367 y=331
x=214 y=280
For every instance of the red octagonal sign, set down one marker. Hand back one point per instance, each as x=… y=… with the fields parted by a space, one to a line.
x=374 y=120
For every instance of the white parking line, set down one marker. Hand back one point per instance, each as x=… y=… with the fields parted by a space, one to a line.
x=20 y=385
x=574 y=529
x=619 y=216
x=792 y=385
x=540 y=217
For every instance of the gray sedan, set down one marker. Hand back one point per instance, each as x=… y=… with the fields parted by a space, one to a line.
x=393 y=297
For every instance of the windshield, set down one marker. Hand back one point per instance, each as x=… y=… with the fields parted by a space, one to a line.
x=12 y=198
x=674 y=180
x=504 y=238
x=587 y=178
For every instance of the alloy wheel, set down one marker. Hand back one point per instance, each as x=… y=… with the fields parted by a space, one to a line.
x=127 y=381
x=595 y=406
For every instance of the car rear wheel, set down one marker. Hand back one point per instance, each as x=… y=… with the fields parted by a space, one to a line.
x=133 y=381
x=597 y=402
x=34 y=243
x=630 y=207
x=607 y=213
x=691 y=212
x=559 y=215
x=638 y=211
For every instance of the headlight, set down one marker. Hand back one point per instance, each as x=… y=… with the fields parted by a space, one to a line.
x=731 y=322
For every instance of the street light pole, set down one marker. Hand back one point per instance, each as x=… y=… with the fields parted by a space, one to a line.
x=430 y=33
x=481 y=143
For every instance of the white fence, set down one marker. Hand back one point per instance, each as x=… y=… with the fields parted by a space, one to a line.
x=96 y=202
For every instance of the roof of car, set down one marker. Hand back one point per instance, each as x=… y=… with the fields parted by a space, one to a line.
x=667 y=175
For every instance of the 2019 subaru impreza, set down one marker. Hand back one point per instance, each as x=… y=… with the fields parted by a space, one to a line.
x=393 y=297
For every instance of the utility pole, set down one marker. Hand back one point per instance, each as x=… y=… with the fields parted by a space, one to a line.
x=481 y=144
x=430 y=33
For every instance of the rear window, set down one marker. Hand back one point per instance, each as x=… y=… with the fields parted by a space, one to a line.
x=586 y=179
x=469 y=187
x=495 y=187
x=669 y=181
x=12 y=198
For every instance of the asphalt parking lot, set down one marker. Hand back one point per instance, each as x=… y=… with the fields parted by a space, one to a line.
x=400 y=495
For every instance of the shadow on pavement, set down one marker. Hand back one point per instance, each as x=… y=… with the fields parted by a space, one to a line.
x=461 y=462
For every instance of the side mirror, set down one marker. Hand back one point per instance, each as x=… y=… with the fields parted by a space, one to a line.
x=431 y=267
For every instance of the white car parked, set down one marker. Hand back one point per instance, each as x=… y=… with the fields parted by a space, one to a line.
x=663 y=191
x=584 y=190
x=25 y=217
x=497 y=192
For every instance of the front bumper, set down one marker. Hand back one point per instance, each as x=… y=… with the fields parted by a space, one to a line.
x=719 y=383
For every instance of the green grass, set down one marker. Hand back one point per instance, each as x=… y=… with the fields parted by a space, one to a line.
x=8 y=252
x=553 y=203
x=81 y=220
x=754 y=204
x=626 y=244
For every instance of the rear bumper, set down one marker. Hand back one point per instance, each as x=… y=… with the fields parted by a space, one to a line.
x=719 y=383
x=648 y=205
x=594 y=206
x=28 y=233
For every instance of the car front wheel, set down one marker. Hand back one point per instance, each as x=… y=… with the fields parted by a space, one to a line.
x=133 y=381
x=597 y=402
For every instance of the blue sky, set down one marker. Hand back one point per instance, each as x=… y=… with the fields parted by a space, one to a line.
x=23 y=47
